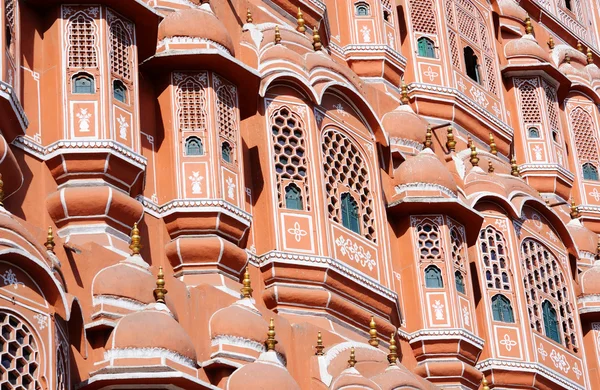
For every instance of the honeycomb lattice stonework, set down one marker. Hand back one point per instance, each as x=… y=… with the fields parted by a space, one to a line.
x=19 y=356
x=458 y=252
x=428 y=241
x=343 y=164
x=191 y=104
x=494 y=253
x=226 y=113
x=82 y=38
x=120 y=50
x=289 y=148
x=551 y=106
x=422 y=16
x=544 y=280
x=586 y=142
x=530 y=103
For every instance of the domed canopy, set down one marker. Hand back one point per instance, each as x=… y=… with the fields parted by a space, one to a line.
x=395 y=377
x=351 y=378
x=585 y=239
x=425 y=168
x=511 y=9
x=265 y=373
x=196 y=23
x=249 y=323
x=126 y=279
x=153 y=328
x=590 y=281
x=403 y=123
x=526 y=46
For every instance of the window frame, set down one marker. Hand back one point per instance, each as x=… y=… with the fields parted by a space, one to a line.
x=79 y=76
x=438 y=271
x=118 y=83
x=499 y=304
x=299 y=199
x=190 y=139
x=431 y=47
x=348 y=218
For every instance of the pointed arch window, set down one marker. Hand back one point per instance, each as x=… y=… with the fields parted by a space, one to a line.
x=293 y=197
x=502 y=309
x=350 y=213
x=459 y=281
x=426 y=47
x=472 y=64
x=194 y=147
x=119 y=91
x=590 y=172
x=433 y=277
x=550 y=322
x=83 y=83
x=226 y=152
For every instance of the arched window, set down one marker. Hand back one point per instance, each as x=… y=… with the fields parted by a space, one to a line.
x=426 y=47
x=194 y=147
x=81 y=37
x=533 y=132
x=226 y=152
x=471 y=64
x=494 y=254
x=590 y=172
x=459 y=281
x=350 y=213
x=191 y=101
x=23 y=354
x=120 y=50
x=293 y=197
x=501 y=309
x=119 y=91
x=83 y=83
x=550 y=322
x=433 y=277
x=362 y=9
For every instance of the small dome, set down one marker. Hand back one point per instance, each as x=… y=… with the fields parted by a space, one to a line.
x=590 y=280
x=511 y=9
x=585 y=239
x=403 y=123
x=127 y=279
x=249 y=323
x=425 y=168
x=152 y=328
x=265 y=373
x=594 y=72
x=351 y=378
x=395 y=377
x=526 y=46
x=198 y=23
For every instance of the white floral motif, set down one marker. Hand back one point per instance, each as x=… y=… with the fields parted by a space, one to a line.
x=196 y=179
x=501 y=223
x=430 y=73
x=577 y=371
x=355 y=253
x=297 y=232
x=340 y=109
x=438 y=308
x=595 y=194
x=461 y=85
x=42 y=320
x=542 y=352
x=537 y=151
x=560 y=361
x=123 y=125
x=391 y=39
x=84 y=120
x=10 y=279
x=508 y=342
x=552 y=236
x=537 y=221
x=496 y=109
x=466 y=316
x=300 y=110
x=366 y=34
x=230 y=188
x=479 y=97
x=396 y=275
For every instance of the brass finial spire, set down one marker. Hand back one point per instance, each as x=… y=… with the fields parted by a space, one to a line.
x=319 y=346
x=428 y=136
x=574 y=211
x=249 y=16
x=567 y=58
x=300 y=19
x=490 y=167
x=160 y=291
x=484 y=384
x=135 y=245
x=352 y=360
x=277 y=35
x=528 y=26
x=393 y=355
x=246 y=285
x=404 y=99
x=316 y=39
x=590 y=56
x=450 y=143
x=1 y=191
x=493 y=149
x=551 y=42
x=474 y=159
x=373 y=340
x=271 y=336
x=514 y=168
x=50 y=240
x=579 y=46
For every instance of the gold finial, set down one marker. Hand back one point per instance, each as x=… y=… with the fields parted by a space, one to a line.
x=567 y=58
x=373 y=340
x=493 y=149
x=135 y=245
x=484 y=384
x=393 y=355
x=428 y=136
x=514 y=168
x=352 y=360
x=1 y=191
x=579 y=46
x=316 y=39
x=319 y=346
x=404 y=99
x=528 y=26
x=277 y=35
x=490 y=167
x=551 y=42
x=474 y=159
x=249 y=16
x=160 y=291
x=246 y=285
x=271 y=336
x=590 y=56
x=574 y=211
x=300 y=19
x=598 y=251
x=547 y=200
x=50 y=240
x=450 y=143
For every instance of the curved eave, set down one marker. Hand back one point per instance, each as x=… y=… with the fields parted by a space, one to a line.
x=586 y=90
x=516 y=70
x=13 y=121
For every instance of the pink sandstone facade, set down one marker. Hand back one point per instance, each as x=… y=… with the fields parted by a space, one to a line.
x=299 y=194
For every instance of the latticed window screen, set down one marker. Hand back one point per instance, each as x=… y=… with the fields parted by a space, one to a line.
x=458 y=259
x=344 y=164
x=422 y=16
x=586 y=142
x=428 y=241
x=62 y=368
x=495 y=258
x=20 y=368
x=289 y=148
x=530 y=101
x=502 y=309
x=552 y=107
x=10 y=31
x=81 y=38
x=544 y=282
x=120 y=50
x=191 y=104
x=226 y=112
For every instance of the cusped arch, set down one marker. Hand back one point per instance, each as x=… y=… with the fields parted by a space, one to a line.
x=503 y=202
x=290 y=79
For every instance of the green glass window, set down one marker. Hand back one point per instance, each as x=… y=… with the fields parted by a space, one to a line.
x=425 y=47
x=459 y=281
x=433 y=277
x=590 y=172
x=119 y=91
x=226 y=152
x=193 y=147
x=83 y=83
x=293 y=197
x=502 y=310
x=350 y=213
x=472 y=64
x=550 y=322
